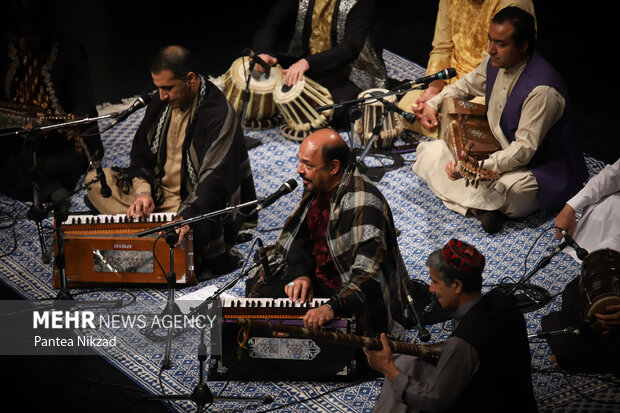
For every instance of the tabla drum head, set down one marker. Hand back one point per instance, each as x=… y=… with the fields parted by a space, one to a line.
x=259 y=82
x=284 y=94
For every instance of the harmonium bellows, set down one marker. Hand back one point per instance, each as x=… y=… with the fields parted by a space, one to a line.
x=105 y=250
x=249 y=352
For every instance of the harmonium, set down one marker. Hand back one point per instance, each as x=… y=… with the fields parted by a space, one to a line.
x=105 y=250
x=246 y=348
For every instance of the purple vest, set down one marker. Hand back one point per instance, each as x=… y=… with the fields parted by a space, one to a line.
x=558 y=165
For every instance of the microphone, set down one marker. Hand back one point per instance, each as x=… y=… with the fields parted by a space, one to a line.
x=409 y=117
x=256 y=59
x=422 y=331
x=584 y=326
x=141 y=102
x=105 y=191
x=60 y=203
x=262 y=256
x=547 y=334
x=443 y=75
x=286 y=188
x=581 y=253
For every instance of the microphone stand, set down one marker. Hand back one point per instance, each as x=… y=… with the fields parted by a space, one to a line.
x=182 y=222
x=373 y=173
x=201 y=394
x=171 y=309
x=245 y=95
x=60 y=215
x=63 y=125
x=37 y=213
x=172 y=238
x=523 y=301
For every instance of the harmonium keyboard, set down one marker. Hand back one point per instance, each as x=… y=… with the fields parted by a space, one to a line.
x=105 y=250
x=246 y=350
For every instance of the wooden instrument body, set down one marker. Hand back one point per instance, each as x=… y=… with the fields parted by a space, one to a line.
x=466 y=131
x=249 y=353
x=110 y=254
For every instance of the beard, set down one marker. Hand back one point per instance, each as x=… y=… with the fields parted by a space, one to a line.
x=308 y=187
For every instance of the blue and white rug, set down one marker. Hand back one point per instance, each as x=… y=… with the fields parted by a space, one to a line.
x=425 y=225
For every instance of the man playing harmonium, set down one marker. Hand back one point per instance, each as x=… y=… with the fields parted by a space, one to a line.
x=340 y=242
x=539 y=164
x=188 y=156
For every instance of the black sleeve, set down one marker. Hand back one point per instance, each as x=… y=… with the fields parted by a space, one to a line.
x=280 y=21
x=299 y=258
x=359 y=23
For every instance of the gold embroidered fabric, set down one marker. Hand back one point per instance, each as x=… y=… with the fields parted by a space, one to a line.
x=461 y=32
x=320 y=37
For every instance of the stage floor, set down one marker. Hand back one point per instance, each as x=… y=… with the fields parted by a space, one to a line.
x=424 y=223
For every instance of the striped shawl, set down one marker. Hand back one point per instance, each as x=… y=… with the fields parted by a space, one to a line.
x=362 y=241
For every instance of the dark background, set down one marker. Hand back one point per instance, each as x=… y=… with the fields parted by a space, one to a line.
x=121 y=36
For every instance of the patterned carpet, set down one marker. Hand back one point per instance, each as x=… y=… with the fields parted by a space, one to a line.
x=425 y=225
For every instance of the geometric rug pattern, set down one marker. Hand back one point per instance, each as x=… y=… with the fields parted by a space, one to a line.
x=424 y=224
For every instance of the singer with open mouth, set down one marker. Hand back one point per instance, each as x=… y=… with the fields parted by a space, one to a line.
x=339 y=243
x=188 y=156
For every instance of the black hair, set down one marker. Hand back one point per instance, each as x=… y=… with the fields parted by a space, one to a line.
x=523 y=23
x=339 y=151
x=472 y=281
x=176 y=59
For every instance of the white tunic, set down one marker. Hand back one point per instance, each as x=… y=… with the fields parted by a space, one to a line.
x=515 y=193
x=599 y=225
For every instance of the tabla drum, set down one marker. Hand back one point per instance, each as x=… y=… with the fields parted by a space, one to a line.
x=599 y=284
x=261 y=111
x=372 y=112
x=297 y=105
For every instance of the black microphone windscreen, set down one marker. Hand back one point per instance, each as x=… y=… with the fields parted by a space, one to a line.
x=292 y=184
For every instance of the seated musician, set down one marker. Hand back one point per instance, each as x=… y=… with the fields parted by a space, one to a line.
x=597 y=228
x=332 y=43
x=188 y=156
x=484 y=365
x=528 y=112
x=340 y=243
x=459 y=42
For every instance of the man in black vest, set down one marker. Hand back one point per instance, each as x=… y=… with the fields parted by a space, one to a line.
x=485 y=364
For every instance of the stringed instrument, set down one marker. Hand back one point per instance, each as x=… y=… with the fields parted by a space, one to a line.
x=466 y=131
x=428 y=352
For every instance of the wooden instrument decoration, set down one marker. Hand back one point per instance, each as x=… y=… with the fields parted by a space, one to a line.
x=464 y=127
x=430 y=353
x=242 y=353
x=104 y=250
x=18 y=115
